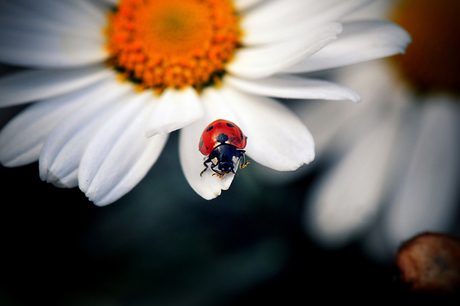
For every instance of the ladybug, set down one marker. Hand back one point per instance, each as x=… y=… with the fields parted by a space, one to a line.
x=222 y=142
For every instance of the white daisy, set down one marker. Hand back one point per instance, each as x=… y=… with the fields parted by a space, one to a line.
x=106 y=74
x=396 y=168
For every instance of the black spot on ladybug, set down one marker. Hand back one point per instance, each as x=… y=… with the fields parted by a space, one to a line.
x=222 y=138
x=242 y=136
x=209 y=128
x=230 y=125
x=201 y=144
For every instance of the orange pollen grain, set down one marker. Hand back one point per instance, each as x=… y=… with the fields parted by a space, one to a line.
x=172 y=43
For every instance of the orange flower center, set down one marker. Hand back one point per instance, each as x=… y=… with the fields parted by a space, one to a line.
x=432 y=60
x=172 y=43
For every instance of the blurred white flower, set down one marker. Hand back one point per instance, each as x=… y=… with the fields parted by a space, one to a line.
x=394 y=157
x=106 y=74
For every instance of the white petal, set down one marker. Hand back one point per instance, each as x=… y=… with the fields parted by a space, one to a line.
x=427 y=199
x=93 y=12
x=51 y=33
x=267 y=23
x=244 y=4
x=376 y=10
x=285 y=86
x=119 y=155
x=333 y=125
x=263 y=61
x=22 y=138
x=26 y=86
x=174 y=110
x=360 y=41
x=63 y=149
x=276 y=21
x=130 y=175
x=276 y=137
x=77 y=14
x=111 y=2
x=279 y=34
x=347 y=199
x=51 y=50
x=207 y=186
x=336 y=127
x=23 y=21
x=273 y=14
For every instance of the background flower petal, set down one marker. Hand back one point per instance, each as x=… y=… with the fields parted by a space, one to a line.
x=347 y=198
x=31 y=85
x=336 y=126
x=427 y=197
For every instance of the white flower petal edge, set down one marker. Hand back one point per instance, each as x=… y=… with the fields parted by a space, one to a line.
x=56 y=50
x=332 y=139
x=350 y=121
x=277 y=138
x=31 y=85
x=207 y=186
x=286 y=86
x=245 y=4
x=119 y=155
x=111 y=2
x=347 y=198
x=78 y=14
x=426 y=200
x=271 y=14
x=62 y=151
x=75 y=39
x=263 y=61
x=295 y=19
x=174 y=110
x=360 y=41
x=22 y=138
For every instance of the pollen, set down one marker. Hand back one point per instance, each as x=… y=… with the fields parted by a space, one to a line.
x=172 y=43
x=432 y=61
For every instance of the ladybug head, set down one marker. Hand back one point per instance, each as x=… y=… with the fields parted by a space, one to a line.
x=225 y=158
x=226 y=167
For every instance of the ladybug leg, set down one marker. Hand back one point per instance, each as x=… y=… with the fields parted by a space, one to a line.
x=217 y=173
x=205 y=163
x=243 y=163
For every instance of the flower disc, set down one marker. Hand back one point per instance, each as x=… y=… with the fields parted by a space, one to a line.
x=172 y=43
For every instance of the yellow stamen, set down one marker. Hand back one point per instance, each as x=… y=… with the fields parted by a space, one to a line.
x=172 y=43
x=432 y=60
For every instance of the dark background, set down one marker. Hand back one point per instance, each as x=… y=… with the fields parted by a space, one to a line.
x=162 y=244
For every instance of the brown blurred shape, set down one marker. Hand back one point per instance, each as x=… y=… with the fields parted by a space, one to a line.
x=430 y=263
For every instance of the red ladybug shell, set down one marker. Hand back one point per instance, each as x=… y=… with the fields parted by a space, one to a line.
x=219 y=132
